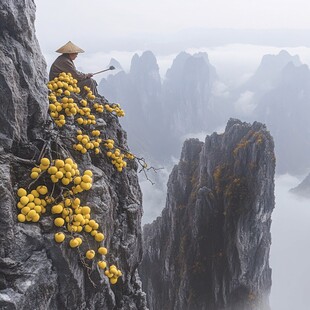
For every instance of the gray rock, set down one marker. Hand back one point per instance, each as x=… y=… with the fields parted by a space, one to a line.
x=210 y=247
x=35 y=272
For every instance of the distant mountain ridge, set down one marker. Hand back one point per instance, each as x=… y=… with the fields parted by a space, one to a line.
x=161 y=113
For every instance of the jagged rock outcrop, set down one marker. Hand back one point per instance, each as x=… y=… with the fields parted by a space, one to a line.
x=210 y=247
x=35 y=272
x=303 y=189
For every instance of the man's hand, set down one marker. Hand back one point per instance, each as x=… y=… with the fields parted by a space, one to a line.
x=89 y=75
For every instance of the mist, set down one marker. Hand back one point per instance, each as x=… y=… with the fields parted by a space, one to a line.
x=290 y=253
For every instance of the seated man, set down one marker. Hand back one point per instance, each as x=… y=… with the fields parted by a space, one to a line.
x=64 y=63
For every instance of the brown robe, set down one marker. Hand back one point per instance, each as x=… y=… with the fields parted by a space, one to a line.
x=64 y=64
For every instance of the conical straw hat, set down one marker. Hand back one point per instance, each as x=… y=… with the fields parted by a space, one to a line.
x=69 y=48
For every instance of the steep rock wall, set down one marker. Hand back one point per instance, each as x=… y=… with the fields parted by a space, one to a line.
x=210 y=247
x=35 y=272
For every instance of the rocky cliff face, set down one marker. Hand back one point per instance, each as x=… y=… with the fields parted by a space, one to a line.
x=210 y=247
x=35 y=272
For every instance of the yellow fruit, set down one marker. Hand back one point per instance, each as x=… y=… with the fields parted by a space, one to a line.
x=42 y=189
x=94 y=232
x=38 y=209
x=54 y=179
x=59 y=237
x=113 y=280
x=37 y=201
x=57 y=209
x=45 y=161
x=88 y=228
x=52 y=170
x=59 y=221
x=35 y=193
x=85 y=186
x=32 y=213
x=103 y=251
x=21 y=217
x=35 y=218
x=59 y=175
x=74 y=243
x=92 y=223
x=24 y=200
x=34 y=175
x=77 y=180
x=102 y=264
x=20 y=205
x=65 y=181
x=85 y=210
x=99 y=237
x=59 y=163
x=79 y=240
x=21 y=192
x=108 y=274
x=90 y=254
x=79 y=218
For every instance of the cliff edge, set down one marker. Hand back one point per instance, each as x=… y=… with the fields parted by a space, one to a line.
x=35 y=271
x=210 y=247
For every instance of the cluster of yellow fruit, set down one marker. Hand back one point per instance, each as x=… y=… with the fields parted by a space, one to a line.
x=31 y=205
x=115 y=107
x=113 y=274
x=63 y=85
x=98 y=107
x=117 y=157
x=90 y=94
x=85 y=143
x=76 y=218
x=87 y=118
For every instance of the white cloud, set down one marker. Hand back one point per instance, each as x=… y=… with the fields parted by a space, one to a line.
x=290 y=254
x=245 y=104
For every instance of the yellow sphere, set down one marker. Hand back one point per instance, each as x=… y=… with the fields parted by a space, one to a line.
x=102 y=251
x=21 y=192
x=99 y=237
x=88 y=172
x=59 y=163
x=102 y=264
x=59 y=175
x=34 y=175
x=45 y=161
x=90 y=254
x=21 y=217
x=79 y=240
x=38 y=209
x=25 y=210
x=85 y=210
x=85 y=186
x=32 y=213
x=35 y=218
x=88 y=228
x=56 y=209
x=86 y=178
x=92 y=223
x=59 y=221
x=24 y=200
x=74 y=243
x=113 y=280
x=42 y=189
x=59 y=237
x=52 y=170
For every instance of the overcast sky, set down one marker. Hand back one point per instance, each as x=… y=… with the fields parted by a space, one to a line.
x=102 y=20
